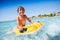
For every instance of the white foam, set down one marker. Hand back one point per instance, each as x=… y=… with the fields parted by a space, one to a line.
x=53 y=29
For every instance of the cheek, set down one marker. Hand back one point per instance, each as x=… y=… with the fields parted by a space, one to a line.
x=18 y=11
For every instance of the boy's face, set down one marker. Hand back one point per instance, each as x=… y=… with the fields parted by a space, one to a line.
x=21 y=11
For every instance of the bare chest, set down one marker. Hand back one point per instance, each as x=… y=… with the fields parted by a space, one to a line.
x=22 y=20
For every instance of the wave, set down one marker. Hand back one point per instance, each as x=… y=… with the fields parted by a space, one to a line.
x=7 y=21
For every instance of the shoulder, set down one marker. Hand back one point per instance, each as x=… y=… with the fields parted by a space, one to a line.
x=25 y=16
x=17 y=17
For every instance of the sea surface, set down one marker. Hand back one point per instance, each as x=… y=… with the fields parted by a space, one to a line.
x=49 y=31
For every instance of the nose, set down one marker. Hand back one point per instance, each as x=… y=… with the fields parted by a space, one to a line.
x=21 y=11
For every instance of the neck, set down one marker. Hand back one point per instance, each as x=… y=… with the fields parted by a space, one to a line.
x=20 y=15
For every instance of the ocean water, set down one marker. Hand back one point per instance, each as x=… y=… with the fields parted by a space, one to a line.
x=49 y=31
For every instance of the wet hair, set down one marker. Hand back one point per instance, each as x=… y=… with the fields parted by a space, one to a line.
x=20 y=7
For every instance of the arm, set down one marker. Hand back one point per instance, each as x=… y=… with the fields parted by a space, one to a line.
x=18 y=24
x=17 y=21
x=29 y=19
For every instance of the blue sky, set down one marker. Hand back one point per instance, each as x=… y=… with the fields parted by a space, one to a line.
x=8 y=8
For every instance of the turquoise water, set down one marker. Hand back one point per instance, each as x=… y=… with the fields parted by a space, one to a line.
x=49 y=31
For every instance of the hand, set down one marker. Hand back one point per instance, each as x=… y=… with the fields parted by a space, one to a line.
x=32 y=22
x=20 y=28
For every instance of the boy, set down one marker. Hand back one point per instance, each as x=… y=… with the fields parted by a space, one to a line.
x=21 y=19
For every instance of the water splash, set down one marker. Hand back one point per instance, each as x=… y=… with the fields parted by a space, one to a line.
x=53 y=29
x=50 y=31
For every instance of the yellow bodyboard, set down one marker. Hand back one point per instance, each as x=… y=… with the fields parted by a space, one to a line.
x=30 y=28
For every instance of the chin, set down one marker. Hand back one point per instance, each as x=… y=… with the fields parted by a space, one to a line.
x=21 y=15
